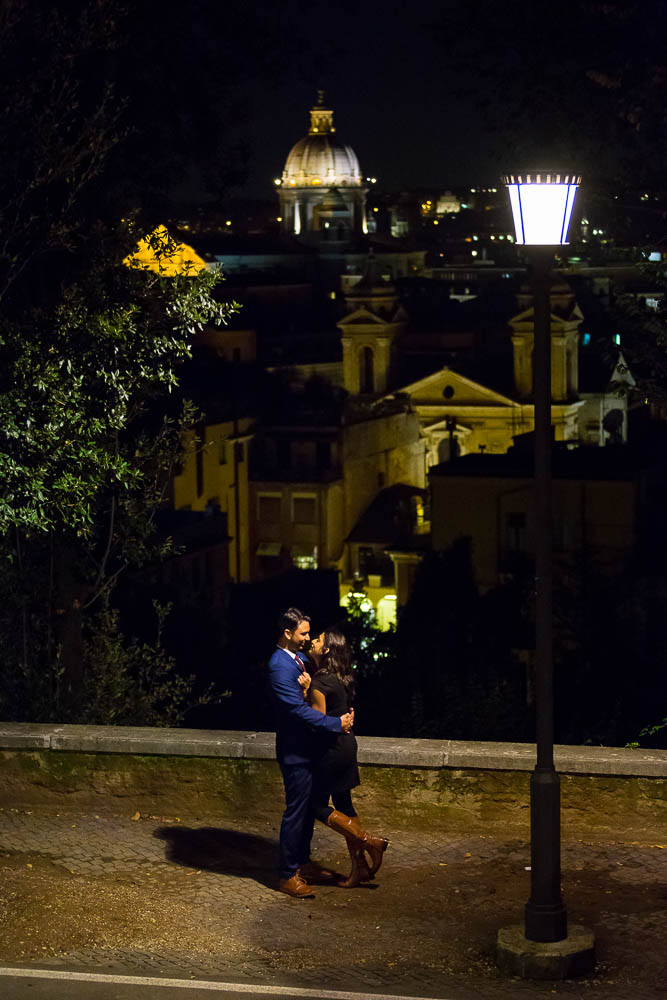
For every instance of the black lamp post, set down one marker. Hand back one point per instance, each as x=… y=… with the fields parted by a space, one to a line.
x=542 y=205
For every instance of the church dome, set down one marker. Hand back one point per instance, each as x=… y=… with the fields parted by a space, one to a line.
x=319 y=158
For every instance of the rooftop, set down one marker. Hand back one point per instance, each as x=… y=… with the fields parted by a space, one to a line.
x=611 y=463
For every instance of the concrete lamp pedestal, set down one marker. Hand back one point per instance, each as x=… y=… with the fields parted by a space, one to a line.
x=573 y=956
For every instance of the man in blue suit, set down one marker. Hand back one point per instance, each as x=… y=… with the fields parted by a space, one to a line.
x=296 y=722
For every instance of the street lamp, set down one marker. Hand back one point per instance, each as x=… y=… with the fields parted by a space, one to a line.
x=542 y=203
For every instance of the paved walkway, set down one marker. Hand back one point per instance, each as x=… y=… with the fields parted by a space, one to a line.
x=162 y=896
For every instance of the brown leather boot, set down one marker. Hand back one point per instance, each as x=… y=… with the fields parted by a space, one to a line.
x=359 y=871
x=295 y=886
x=316 y=874
x=374 y=846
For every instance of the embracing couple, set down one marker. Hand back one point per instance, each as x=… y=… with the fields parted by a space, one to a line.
x=317 y=753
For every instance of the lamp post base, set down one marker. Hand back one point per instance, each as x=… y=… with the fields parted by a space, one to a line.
x=573 y=956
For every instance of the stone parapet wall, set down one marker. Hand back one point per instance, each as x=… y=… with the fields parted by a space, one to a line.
x=378 y=750
x=208 y=775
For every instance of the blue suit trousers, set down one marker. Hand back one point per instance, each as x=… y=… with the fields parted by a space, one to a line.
x=296 y=829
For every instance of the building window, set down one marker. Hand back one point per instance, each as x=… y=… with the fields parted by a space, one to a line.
x=324 y=454
x=222 y=453
x=269 y=550
x=304 y=556
x=366 y=370
x=515 y=532
x=417 y=505
x=269 y=508
x=448 y=391
x=304 y=509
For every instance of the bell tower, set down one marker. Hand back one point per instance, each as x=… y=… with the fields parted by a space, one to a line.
x=370 y=333
x=566 y=318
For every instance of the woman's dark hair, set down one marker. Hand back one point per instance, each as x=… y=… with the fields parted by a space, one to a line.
x=336 y=660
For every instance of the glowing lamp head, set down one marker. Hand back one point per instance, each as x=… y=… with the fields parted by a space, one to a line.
x=542 y=203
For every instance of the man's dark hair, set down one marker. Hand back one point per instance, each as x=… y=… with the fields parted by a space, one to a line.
x=291 y=619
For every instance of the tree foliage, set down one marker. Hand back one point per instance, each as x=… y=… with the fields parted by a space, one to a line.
x=89 y=350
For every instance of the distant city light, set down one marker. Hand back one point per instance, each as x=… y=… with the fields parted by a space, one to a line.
x=473 y=253
x=228 y=222
x=279 y=218
x=277 y=182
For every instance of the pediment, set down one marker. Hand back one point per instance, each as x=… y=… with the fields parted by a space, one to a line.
x=527 y=318
x=362 y=317
x=430 y=391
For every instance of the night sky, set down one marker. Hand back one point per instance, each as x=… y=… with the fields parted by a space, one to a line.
x=386 y=74
x=444 y=92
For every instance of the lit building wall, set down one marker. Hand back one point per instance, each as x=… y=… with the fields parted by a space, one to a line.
x=214 y=474
x=379 y=453
x=291 y=525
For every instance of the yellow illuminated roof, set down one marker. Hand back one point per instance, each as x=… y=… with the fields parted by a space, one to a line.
x=164 y=255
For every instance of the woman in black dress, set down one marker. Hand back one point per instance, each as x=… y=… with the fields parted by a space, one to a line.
x=335 y=771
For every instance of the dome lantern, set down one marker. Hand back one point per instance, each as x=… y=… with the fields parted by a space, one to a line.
x=321 y=118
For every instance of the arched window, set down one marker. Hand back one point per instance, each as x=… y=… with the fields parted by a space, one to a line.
x=366 y=372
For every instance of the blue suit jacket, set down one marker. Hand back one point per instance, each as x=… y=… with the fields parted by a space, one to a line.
x=296 y=721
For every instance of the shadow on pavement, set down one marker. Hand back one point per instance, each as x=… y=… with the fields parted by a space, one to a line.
x=227 y=852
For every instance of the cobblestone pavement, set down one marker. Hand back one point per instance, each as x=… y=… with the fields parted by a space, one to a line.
x=175 y=896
